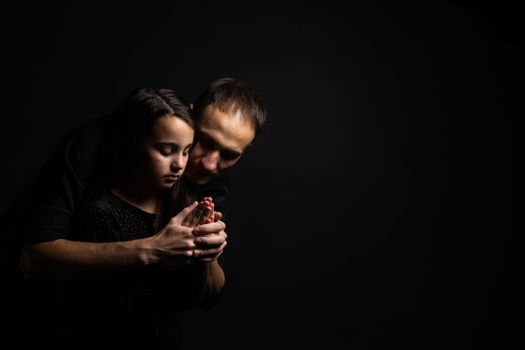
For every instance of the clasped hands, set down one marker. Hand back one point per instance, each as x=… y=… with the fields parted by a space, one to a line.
x=196 y=234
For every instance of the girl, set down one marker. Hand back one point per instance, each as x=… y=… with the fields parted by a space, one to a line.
x=138 y=192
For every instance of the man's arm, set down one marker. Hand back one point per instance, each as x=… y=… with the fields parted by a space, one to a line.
x=209 y=246
x=65 y=259
x=214 y=285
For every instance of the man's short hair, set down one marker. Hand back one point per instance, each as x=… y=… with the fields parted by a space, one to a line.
x=232 y=95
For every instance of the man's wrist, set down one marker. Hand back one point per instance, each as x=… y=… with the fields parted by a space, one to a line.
x=141 y=250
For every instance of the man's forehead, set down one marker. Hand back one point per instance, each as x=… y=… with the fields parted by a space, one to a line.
x=227 y=129
x=221 y=114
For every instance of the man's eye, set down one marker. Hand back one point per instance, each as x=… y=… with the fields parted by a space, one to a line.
x=206 y=143
x=229 y=155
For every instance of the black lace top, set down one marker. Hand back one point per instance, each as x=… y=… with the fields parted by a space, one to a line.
x=135 y=301
x=111 y=219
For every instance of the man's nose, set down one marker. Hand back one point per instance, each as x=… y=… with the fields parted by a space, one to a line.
x=210 y=161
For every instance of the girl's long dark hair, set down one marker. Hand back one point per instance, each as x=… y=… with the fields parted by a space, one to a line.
x=177 y=198
x=132 y=123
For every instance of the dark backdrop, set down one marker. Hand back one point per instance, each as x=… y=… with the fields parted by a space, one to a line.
x=374 y=209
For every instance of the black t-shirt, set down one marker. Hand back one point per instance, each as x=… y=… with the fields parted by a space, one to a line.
x=66 y=179
x=44 y=211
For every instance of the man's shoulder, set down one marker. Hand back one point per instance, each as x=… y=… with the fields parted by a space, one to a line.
x=89 y=134
x=84 y=145
x=77 y=155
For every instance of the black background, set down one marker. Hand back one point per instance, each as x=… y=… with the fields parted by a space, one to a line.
x=373 y=212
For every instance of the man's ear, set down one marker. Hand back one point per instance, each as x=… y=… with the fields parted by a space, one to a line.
x=191 y=106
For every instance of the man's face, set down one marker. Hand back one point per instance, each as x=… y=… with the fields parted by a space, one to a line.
x=219 y=143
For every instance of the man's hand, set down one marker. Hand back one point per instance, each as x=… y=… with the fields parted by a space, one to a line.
x=210 y=241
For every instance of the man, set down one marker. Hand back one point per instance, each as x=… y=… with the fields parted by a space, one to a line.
x=229 y=116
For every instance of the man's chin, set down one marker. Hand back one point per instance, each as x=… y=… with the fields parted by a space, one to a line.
x=197 y=180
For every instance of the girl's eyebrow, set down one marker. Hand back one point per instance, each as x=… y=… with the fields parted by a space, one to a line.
x=166 y=143
x=171 y=144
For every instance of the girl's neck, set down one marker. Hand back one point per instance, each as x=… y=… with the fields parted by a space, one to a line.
x=137 y=196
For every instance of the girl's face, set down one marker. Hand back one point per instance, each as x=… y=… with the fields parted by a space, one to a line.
x=165 y=152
